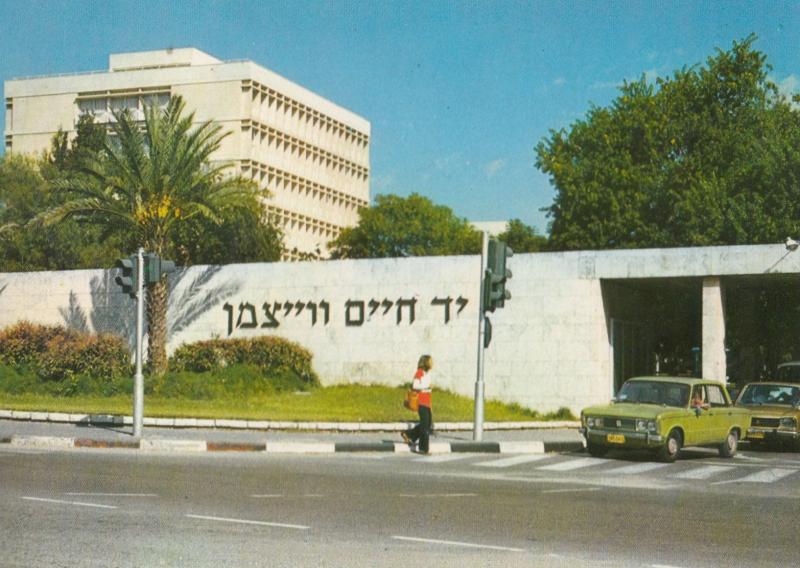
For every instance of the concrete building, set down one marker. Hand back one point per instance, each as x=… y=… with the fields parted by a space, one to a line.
x=579 y=323
x=311 y=154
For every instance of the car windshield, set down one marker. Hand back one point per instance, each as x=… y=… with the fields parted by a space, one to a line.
x=654 y=392
x=766 y=393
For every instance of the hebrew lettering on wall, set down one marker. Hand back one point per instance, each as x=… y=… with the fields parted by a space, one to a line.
x=356 y=312
x=245 y=315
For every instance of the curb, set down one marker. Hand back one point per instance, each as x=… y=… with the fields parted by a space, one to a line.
x=194 y=446
x=266 y=425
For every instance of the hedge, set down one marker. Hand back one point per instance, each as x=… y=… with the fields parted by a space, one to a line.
x=57 y=353
x=272 y=355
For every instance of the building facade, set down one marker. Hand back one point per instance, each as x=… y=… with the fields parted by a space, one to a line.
x=311 y=154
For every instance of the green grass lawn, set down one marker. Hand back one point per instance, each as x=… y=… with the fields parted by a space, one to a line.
x=345 y=403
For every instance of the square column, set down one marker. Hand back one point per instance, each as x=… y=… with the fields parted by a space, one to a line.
x=713 y=349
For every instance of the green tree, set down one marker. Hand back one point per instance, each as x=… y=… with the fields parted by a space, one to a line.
x=242 y=234
x=25 y=191
x=522 y=238
x=90 y=139
x=705 y=157
x=147 y=182
x=410 y=226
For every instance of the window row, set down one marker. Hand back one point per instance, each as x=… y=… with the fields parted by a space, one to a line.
x=274 y=178
x=279 y=101
x=299 y=222
x=281 y=141
x=104 y=107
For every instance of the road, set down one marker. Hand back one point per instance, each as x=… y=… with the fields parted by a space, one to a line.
x=126 y=508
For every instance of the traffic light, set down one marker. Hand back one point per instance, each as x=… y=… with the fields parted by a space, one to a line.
x=494 y=283
x=129 y=277
x=155 y=267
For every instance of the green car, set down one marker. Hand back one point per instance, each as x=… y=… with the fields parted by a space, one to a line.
x=775 y=407
x=665 y=414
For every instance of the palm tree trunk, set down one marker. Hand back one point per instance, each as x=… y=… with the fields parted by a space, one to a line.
x=157 y=331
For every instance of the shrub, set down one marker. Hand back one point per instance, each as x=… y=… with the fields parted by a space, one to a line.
x=57 y=354
x=273 y=356
x=23 y=343
x=72 y=354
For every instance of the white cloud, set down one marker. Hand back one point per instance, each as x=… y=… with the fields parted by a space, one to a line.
x=558 y=81
x=382 y=183
x=651 y=75
x=493 y=167
x=789 y=85
x=603 y=85
x=446 y=163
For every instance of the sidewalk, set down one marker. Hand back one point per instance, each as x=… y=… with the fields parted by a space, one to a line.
x=35 y=430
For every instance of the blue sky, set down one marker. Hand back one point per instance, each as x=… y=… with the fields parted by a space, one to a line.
x=458 y=93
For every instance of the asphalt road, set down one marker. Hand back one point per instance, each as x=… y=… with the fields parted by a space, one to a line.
x=121 y=508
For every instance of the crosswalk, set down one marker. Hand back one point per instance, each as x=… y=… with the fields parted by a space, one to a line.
x=743 y=470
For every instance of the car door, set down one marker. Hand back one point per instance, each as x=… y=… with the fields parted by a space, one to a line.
x=699 y=427
x=719 y=413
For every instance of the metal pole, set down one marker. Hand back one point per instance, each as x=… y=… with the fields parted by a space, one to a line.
x=138 y=378
x=477 y=433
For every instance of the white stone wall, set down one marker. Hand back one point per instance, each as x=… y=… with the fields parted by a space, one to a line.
x=549 y=346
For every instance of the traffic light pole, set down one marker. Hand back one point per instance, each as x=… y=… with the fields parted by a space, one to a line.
x=477 y=432
x=138 y=378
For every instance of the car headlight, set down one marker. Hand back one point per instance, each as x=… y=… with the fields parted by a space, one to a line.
x=592 y=422
x=789 y=422
x=643 y=425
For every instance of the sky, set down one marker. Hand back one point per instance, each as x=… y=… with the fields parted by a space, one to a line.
x=458 y=93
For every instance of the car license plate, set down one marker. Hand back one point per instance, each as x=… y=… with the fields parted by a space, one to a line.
x=615 y=438
x=756 y=435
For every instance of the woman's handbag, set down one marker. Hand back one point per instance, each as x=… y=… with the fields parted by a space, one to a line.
x=412 y=400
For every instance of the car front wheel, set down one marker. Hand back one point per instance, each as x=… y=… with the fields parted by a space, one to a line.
x=727 y=449
x=670 y=450
x=596 y=450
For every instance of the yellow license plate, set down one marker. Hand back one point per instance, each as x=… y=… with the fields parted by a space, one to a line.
x=615 y=439
x=756 y=435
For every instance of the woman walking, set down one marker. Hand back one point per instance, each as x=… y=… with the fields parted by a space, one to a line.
x=422 y=384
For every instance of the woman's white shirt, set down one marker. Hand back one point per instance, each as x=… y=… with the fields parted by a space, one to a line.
x=423 y=383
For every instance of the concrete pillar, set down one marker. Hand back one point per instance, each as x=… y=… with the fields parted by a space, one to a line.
x=714 y=366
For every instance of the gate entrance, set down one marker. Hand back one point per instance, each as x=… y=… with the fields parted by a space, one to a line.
x=654 y=326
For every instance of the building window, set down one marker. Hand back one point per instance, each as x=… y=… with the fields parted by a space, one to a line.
x=101 y=107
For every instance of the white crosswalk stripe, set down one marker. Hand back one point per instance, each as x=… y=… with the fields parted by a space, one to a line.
x=767 y=475
x=703 y=472
x=515 y=460
x=443 y=458
x=636 y=468
x=573 y=464
x=609 y=469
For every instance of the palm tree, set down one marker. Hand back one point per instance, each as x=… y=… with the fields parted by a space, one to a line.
x=147 y=180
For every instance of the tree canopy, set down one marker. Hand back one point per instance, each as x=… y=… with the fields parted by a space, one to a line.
x=406 y=226
x=709 y=156
x=522 y=238
x=25 y=191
